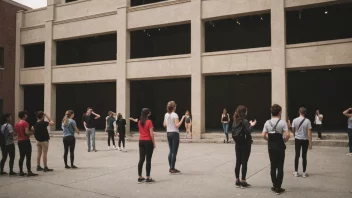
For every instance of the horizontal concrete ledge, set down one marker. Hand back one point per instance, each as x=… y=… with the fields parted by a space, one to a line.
x=240 y=51
x=157 y=5
x=159 y=58
x=319 y=43
x=32 y=68
x=85 y=64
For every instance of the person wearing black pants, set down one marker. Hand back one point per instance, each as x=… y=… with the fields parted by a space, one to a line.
x=8 y=146
x=110 y=129
x=121 y=129
x=301 y=144
x=69 y=127
x=276 y=133
x=241 y=134
x=146 y=145
x=25 y=148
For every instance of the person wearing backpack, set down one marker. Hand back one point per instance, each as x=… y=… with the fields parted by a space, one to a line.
x=241 y=134
x=276 y=133
x=302 y=131
x=7 y=143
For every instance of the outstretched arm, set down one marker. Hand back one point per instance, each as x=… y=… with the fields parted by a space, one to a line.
x=346 y=113
x=134 y=120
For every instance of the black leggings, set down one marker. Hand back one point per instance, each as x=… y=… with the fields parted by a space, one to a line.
x=111 y=135
x=277 y=160
x=242 y=157
x=8 y=150
x=319 y=127
x=146 y=148
x=304 y=145
x=122 y=139
x=69 y=142
x=25 y=148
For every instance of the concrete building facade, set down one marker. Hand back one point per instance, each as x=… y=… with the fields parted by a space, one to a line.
x=61 y=21
x=8 y=10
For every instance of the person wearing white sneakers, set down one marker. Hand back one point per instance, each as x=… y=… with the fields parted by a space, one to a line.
x=302 y=130
x=110 y=129
x=348 y=114
x=121 y=129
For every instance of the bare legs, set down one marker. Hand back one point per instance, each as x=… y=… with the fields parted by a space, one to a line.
x=188 y=129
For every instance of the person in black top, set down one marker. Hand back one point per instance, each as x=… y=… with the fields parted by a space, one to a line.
x=41 y=134
x=121 y=129
x=225 y=120
x=89 y=124
x=241 y=134
x=110 y=128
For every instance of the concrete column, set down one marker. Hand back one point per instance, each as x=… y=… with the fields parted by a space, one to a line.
x=197 y=81
x=278 y=48
x=123 y=51
x=50 y=60
x=51 y=2
x=19 y=63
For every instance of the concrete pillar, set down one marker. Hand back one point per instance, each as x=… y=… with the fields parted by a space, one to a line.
x=278 y=48
x=51 y=2
x=19 y=63
x=197 y=81
x=50 y=60
x=123 y=51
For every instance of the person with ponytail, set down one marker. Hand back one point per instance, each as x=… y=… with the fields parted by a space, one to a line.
x=241 y=134
x=69 y=128
x=146 y=144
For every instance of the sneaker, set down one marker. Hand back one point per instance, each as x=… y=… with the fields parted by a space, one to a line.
x=238 y=184
x=88 y=150
x=95 y=150
x=74 y=167
x=349 y=154
x=141 y=180
x=67 y=167
x=295 y=174
x=22 y=174
x=305 y=175
x=273 y=189
x=115 y=147
x=175 y=171
x=280 y=191
x=120 y=149
x=3 y=173
x=13 y=173
x=245 y=185
x=149 y=181
x=46 y=169
x=39 y=168
x=30 y=174
x=224 y=141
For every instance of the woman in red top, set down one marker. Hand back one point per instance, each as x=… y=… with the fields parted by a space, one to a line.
x=146 y=144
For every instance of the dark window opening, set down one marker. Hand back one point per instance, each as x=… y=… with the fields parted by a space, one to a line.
x=163 y=41
x=326 y=89
x=229 y=91
x=78 y=97
x=319 y=24
x=143 y=2
x=2 y=57
x=84 y=50
x=154 y=94
x=34 y=55
x=238 y=33
x=33 y=102
x=68 y=1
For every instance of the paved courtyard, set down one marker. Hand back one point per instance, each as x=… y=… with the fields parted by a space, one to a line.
x=207 y=171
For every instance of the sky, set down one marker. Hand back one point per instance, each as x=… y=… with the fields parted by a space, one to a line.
x=33 y=3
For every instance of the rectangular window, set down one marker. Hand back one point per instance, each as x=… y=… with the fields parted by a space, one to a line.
x=2 y=55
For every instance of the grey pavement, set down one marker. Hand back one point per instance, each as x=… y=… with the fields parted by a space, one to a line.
x=207 y=171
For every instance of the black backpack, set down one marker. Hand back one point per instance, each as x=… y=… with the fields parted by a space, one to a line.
x=2 y=137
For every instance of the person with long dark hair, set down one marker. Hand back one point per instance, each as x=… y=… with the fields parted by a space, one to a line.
x=241 y=134
x=121 y=130
x=172 y=124
x=41 y=134
x=146 y=144
x=8 y=145
x=110 y=128
x=69 y=128
x=318 y=120
x=225 y=120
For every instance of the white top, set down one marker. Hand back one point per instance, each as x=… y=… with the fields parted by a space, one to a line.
x=169 y=119
x=317 y=120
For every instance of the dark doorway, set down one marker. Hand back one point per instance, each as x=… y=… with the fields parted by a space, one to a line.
x=154 y=94
x=77 y=97
x=88 y=49
x=238 y=33
x=33 y=102
x=34 y=55
x=325 y=89
x=229 y=91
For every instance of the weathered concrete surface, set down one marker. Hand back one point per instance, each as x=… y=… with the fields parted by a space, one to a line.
x=207 y=172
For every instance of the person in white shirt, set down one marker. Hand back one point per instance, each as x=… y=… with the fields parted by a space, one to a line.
x=318 y=121
x=172 y=124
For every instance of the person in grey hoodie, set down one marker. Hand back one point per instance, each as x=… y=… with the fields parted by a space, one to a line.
x=241 y=134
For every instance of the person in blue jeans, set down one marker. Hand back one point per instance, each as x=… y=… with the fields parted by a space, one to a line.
x=172 y=124
x=225 y=120
x=348 y=114
x=89 y=124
